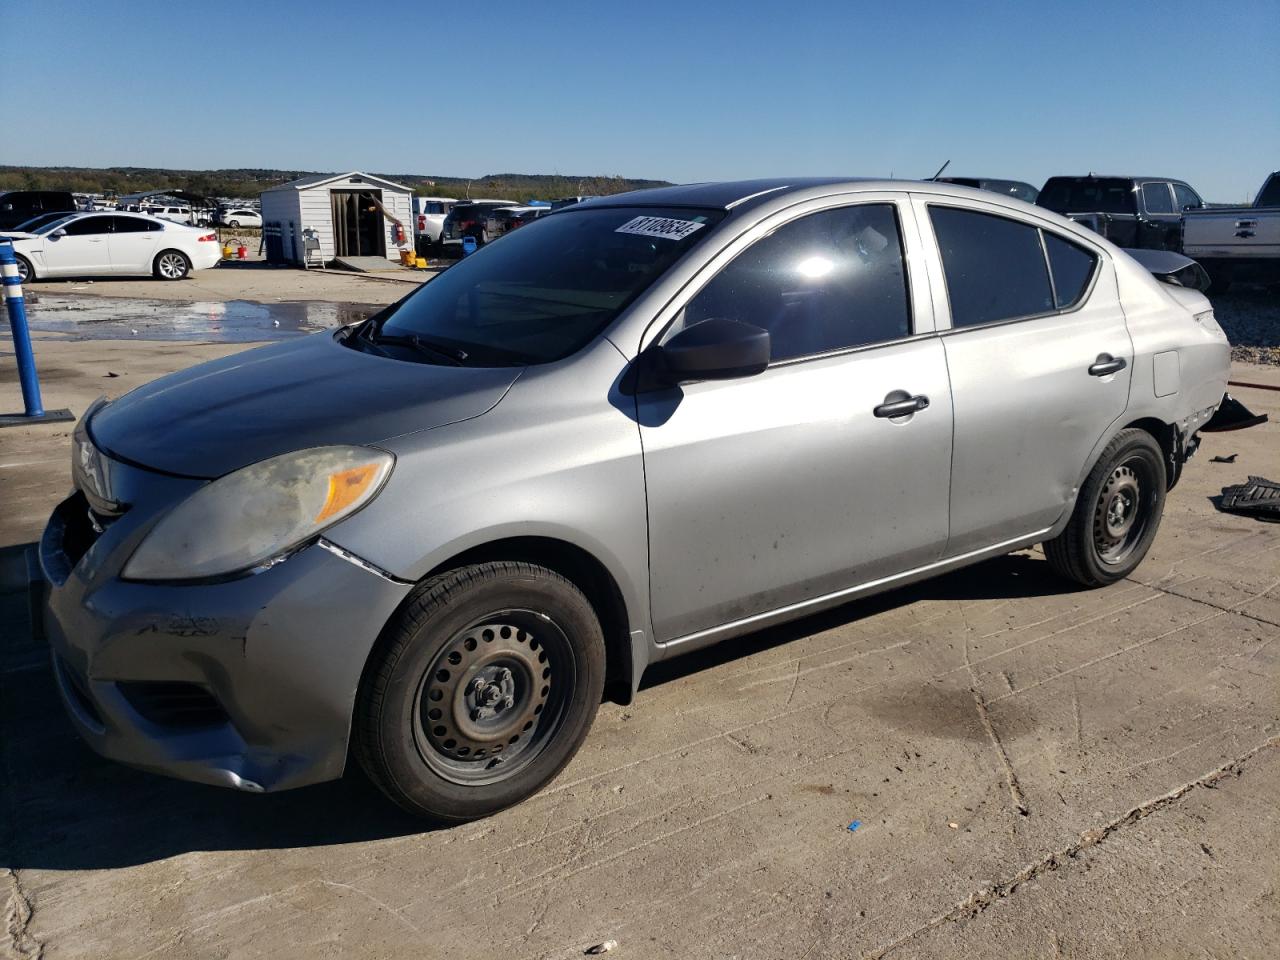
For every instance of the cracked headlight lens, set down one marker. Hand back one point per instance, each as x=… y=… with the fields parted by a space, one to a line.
x=259 y=514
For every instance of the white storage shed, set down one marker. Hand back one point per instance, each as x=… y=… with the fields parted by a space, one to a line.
x=350 y=214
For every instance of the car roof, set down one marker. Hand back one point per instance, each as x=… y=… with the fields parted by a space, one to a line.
x=1110 y=176
x=738 y=196
x=723 y=195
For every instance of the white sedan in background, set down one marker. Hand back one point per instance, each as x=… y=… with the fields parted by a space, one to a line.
x=115 y=244
x=242 y=218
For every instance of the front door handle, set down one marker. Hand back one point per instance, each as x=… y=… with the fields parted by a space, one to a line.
x=900 y=408
x=1106 y=365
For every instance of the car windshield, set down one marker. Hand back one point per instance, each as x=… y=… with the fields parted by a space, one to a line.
x=1088 y=195
x=543 y=292
x=55 y=224
x=36 y=222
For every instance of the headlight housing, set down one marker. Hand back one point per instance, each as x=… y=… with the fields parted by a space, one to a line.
x=259 y=514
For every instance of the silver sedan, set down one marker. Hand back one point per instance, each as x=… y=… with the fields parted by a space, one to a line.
x=635 y=427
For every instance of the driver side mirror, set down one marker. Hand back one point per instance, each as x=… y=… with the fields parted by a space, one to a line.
x=60 y=232
x=715 y=349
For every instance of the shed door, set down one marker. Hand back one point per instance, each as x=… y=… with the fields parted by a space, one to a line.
x=357 y=223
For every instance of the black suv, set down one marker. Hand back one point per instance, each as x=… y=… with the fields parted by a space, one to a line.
x=19 y=206
x=1144 y=213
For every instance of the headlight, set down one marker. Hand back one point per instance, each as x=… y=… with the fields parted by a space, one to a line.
x=259 y=513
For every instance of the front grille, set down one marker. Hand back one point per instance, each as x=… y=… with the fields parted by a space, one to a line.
x=172 y=704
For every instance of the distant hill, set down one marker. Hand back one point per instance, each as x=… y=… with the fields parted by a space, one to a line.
x=249 y=182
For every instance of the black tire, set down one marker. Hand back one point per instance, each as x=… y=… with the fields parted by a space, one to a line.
x=25 y=273
x=1116 y=515
x=440 y=729
x=171 y=265
x=234 y=224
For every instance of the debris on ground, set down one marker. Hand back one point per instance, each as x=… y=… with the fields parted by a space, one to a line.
x=855 y=825
x=953 y=825
x=1259 y=497
x=1229 y=458
x=602 y=947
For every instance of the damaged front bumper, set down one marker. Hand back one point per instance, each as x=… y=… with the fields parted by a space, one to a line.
x=248 y=683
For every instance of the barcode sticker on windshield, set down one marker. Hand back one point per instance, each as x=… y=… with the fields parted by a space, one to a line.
x=665 y=227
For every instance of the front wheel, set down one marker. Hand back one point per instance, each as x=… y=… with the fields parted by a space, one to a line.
x=234 y=224
x=172 y=265
x=480 y=691
x=1116 y=515
x=25 y=273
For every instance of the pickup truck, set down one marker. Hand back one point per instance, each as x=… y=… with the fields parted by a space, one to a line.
x=1237 y=243
x=1143 y=213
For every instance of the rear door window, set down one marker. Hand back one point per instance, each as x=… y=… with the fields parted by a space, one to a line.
x=1157 y=198
x=995 y=267
x=1186 y=198
x=133 y=225
x=1072 y=266
x=828 y=281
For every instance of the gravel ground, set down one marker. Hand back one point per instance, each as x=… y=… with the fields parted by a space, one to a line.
x=1251 y=317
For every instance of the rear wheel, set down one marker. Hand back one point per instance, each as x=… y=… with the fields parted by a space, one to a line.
x=172 y=265
x=1116 y=515
x=480 y=691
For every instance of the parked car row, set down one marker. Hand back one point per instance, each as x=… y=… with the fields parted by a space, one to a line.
x=484 y=221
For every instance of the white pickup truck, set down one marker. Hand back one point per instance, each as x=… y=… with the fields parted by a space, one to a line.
x=1237 y=243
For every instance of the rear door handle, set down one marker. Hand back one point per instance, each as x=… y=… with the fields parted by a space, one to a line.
x=1106 y=365
x=901 y=408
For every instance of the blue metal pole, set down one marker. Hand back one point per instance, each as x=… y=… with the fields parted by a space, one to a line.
x=17 y=307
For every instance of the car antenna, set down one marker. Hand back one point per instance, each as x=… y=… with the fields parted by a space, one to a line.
x=940 y=169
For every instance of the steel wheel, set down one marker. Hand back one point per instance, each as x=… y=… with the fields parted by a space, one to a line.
x=494 y=697
x=172 y=265
x=1120 y=514
x=1116 y=515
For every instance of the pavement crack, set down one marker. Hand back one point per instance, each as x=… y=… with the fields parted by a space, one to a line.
x=1217 y=606
x=20 y=943
x=1016 y=795
x=984 y=897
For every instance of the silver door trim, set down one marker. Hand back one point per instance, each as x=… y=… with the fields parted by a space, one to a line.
x=711 y=635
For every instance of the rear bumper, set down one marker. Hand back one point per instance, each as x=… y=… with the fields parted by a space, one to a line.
x=206 y=255
x=249 y=683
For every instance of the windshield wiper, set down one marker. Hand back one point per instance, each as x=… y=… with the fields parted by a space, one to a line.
x=453 y=355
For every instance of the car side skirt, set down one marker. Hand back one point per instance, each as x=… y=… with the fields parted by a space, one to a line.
x=705 y=638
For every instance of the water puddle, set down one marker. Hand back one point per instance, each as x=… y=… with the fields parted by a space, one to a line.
x=235 y=321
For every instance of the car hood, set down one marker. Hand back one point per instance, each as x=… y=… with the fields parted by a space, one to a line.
x=219 y=416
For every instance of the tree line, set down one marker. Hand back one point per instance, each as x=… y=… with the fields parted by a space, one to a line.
x=249 y=182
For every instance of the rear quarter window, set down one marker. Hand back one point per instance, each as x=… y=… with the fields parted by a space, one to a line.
x=1072 y=267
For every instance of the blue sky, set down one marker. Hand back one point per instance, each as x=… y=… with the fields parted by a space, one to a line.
x=679 y=91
